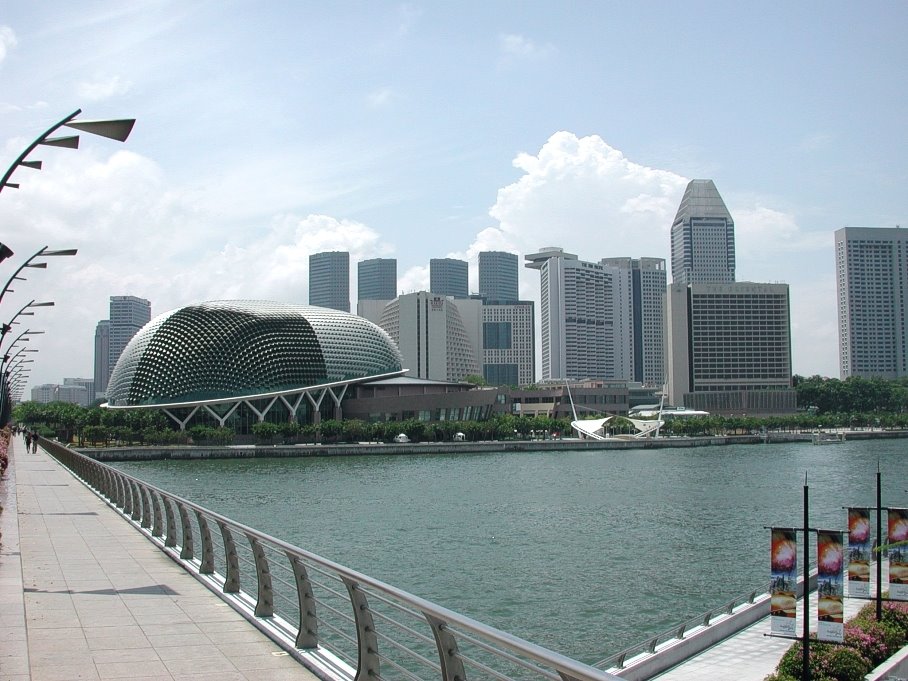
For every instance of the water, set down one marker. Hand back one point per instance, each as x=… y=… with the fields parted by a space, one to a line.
x=585 y=553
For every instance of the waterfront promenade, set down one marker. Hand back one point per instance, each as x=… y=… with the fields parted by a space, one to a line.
x=83 y=595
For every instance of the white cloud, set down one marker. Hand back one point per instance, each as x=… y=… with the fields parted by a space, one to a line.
x=7 y=41
x=102 y=88
x=515 y=47
x=380 y=98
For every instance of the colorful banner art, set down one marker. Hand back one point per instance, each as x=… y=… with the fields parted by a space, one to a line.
x=783 y=560
x=830 y=586
x=897 y=545
x=859 y=552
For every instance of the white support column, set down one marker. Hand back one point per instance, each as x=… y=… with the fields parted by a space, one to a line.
x=222 y=419
x=182 y=424
x=296 y=404
x=261 y=414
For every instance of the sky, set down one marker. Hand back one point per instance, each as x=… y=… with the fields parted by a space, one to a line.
x=267 y=131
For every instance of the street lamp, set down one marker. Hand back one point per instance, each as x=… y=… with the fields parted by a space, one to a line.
x=5 y=252
x=42 y=253
x=113 y=129
x=6 y=328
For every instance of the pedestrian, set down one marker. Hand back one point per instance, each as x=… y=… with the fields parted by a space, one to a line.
x=28 y=441
x=34 y=443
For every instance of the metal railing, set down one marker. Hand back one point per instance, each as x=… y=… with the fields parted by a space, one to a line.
x=340 y=623
x=690 y=626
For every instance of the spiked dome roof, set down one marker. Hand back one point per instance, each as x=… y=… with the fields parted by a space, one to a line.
x=234 y=349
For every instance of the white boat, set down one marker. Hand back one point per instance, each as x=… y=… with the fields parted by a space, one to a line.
x=822 y=438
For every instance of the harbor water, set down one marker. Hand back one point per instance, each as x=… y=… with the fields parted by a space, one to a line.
x=584 y=552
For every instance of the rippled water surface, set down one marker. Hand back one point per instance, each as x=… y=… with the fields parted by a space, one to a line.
x=582 y=552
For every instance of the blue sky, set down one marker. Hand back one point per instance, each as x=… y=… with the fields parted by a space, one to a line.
x=271 y=130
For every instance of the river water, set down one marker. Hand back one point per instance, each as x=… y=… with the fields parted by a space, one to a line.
x=585 y=553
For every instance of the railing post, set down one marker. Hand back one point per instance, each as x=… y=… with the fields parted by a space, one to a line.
x=127 y=496
x=448 y=654
x=157 y=528
x=232 y=579
x=368 y=665
x=136 y=501
x=145 y=496
x=119 y=493
x=171 y=539
x=307 y=635
x=264 y=605
x=207 y=561
x=188 y=550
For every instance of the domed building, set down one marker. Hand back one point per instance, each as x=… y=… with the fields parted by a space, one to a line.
x=243 y=360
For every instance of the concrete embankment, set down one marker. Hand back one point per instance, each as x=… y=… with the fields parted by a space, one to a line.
x=145 y=453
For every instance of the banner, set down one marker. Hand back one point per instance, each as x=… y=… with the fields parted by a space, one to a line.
x=830 y=587
x=783 y=561
x=859 y=552
x=897 y=545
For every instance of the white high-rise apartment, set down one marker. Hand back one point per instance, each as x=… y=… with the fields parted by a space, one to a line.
x=871 y=281
x=638 y=292
x=703 y=237
x=576 y=316
x=128 y=314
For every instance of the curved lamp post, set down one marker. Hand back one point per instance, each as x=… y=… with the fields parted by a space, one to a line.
x=6 y=328
x=118 y=129
x=41 y=253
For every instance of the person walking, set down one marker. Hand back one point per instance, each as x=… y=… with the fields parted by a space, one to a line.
x=34 y=443
x=28 y=441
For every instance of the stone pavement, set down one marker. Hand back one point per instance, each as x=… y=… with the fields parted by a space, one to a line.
x=84 y=595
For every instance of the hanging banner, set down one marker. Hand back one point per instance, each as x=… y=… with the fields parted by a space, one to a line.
x=830 y=586
x=859 y=552
x=783 y=561
x=897 y=546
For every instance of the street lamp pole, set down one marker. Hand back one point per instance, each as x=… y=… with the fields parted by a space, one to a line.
x=114 y=129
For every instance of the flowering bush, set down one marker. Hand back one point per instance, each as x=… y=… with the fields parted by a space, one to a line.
x=867 y=644
x=4 y=450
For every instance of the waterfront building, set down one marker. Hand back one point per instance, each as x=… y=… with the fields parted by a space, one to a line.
x=102 y=358
x=729 y=348
x=242 y=361
x=376 y=279
x=88 y=384
x=449 y=277
x=638 y=322
x=128 y=314
x=329 y=280
x=871 y=281
x=702 y=237
x=576 y=316
x=509 y=343
x=498 y=276
x=73 y=391
x=44 y=393
x=438 y=337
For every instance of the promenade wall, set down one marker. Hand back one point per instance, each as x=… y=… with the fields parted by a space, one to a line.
x=147 y=453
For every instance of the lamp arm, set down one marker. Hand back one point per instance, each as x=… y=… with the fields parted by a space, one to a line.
x=31 y=147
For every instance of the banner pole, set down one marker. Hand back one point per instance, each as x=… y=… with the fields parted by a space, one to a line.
x=879 y=544
x=805 y=645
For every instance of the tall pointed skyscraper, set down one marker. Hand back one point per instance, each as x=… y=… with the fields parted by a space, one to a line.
x=703 y=237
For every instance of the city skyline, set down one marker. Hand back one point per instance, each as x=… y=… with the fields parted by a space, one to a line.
x=417 y=131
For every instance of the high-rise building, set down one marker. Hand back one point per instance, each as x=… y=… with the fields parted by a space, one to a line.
x=433 y=337
x=872 y=291
x=638 y=294
x=128 y=314
x=509 y=343
x=729 y=348
x=376 y=279
x=102 y=358
x=498 y=276
x=449 y=277
x=703 y=237
x=576 y=316
x=329 y=280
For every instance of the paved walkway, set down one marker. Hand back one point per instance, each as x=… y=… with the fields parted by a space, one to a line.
x=83 y=595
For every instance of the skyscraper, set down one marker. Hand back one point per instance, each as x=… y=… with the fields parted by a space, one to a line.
x=508 y=343
x=377 y=279
x=729 y=348
x=449 y=277
x=703 y=237
x=498 y=273
x=329 y=280
x=128 y=314
x=102 y=358
x=576 y=317
x=871 y=281
x=638 y=294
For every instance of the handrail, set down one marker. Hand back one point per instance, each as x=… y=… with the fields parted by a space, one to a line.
x=340 y=623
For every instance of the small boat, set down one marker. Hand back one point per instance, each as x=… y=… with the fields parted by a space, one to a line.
x=821 y=438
